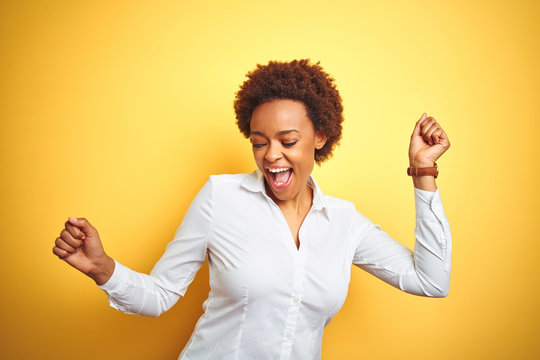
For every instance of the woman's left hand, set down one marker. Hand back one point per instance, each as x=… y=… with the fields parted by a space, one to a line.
x=428 y=142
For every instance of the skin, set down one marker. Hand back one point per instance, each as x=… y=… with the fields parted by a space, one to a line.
x=428 y=143
x=80 y=246
x=283 y=136
x=79 y=243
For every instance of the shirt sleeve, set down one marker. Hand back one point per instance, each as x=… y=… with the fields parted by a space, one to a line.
x=426 y=271
x=137 y=293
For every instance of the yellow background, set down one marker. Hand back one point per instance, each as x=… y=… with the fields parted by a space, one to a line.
x=119 y=111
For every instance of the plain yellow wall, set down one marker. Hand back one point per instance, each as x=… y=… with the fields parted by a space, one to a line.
x=118 y=111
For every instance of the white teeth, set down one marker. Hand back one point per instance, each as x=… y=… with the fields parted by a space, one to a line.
x=278 y=170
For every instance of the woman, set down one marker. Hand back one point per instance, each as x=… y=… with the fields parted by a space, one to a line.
x=279 y=251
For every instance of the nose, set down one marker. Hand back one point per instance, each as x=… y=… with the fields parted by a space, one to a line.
x=273 y=152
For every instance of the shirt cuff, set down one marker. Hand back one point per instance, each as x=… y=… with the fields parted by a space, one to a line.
x=118 y=278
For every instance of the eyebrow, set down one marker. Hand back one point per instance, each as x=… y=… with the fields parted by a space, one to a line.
x=284 y=132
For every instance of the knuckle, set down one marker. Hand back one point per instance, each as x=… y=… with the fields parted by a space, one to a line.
x=57 y=251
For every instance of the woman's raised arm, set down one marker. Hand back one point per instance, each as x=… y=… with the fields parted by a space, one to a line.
x=426 y=271
x=137 y=293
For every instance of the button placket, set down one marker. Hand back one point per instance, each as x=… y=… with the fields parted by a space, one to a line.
x=283 y=227
x=294 y=304
x=299 y=257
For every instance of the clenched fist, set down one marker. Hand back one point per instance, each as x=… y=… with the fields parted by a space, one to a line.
x=80 y=246
x=428 y=142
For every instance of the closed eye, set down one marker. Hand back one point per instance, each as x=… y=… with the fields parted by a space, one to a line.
x=258 y=146
x=290 y=143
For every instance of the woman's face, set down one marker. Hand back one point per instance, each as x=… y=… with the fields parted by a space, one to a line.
x=284 y=142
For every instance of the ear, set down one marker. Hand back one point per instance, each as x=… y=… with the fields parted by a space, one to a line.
x=320 y=140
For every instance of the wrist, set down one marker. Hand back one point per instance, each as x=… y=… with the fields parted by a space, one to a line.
x=103 y=270
x=423 y=173
x=421 y=164
x=426 y=183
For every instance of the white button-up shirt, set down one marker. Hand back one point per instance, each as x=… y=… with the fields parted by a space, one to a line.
x=268 y=299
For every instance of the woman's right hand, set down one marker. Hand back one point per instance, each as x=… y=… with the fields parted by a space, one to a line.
x=80 y=246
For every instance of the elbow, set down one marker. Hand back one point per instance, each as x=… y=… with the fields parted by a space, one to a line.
x=445 y=293
x=154 y=314
x=438 y=293
x=158 y=305
x=141 y=312
x=435 y=287
x=151 y=313
x=433 y=290
x=428 y=287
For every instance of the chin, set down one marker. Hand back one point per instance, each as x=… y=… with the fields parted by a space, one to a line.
x=283 y=195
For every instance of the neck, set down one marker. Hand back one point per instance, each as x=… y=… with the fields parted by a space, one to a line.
x=302 y=201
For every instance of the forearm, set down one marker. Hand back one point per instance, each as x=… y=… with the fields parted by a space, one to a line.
x=425 y=182
x=431 y=257
x=426 y=271
x=136 y=293
x=433 y=243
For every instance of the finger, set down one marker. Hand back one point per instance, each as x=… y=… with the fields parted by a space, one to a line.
x=64 y=246
x=425 y=128
x=70 y=240
x=83 y=225
x=437 y=135
x=444 y=139
x=74 y=231
x=443 y=135
x=426 y=125
x=432 y=130
x=416 y=130
x=60 y=253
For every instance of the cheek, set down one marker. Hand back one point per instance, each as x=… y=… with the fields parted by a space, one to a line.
x=258 y=157
x=307 y=153
x=303 y=158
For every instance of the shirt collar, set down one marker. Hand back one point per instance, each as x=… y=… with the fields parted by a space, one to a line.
x=254 y=181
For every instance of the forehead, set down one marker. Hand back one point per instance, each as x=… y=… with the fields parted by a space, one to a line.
x=279 y=115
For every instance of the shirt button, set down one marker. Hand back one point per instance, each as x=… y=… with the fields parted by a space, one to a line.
x=296 y=299
x=289 y=335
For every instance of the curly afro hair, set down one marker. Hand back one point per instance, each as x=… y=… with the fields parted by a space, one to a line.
x=296 y=80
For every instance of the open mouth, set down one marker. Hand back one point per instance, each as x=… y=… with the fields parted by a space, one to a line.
x=280 y=177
